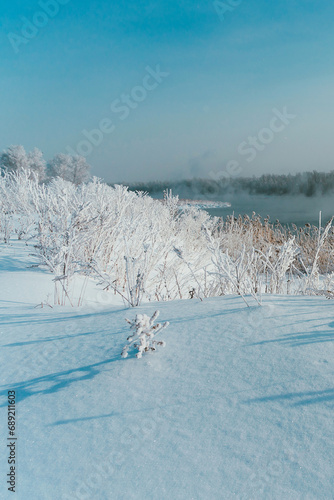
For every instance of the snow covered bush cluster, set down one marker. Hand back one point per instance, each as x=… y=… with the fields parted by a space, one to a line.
x=70 y=168
x=144 y=249
x=144 y=332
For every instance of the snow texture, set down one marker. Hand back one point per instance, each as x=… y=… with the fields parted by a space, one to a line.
x=238 y=405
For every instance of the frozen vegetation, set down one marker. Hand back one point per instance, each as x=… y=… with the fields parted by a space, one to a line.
x=143 y=250
x=70 y=168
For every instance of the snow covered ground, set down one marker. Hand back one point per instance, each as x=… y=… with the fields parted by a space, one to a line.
x=239 y=404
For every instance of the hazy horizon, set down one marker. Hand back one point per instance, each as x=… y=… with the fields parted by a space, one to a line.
x=155 y=91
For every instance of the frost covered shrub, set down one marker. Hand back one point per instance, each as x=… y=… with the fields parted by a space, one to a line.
x=6 y=212
x=240 y=275
x=277 y=262
x=135 y=254
x=17 y=189
x=144 y=249
x=144 y=332
x=311 y=280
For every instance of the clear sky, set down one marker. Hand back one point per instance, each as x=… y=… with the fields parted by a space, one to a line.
x=177 y=89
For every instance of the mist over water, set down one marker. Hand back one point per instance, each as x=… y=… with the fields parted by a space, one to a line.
x=287 y=209
x=291 y=199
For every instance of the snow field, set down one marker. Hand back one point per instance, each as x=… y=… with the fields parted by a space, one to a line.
x=239 y=404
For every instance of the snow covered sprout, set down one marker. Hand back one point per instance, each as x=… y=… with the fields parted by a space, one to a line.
x=143 y=334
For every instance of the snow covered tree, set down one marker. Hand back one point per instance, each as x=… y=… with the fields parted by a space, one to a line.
x=37 y=164
x=15 y=158
x=59 y=167
x=80 y=169
x=70 y=168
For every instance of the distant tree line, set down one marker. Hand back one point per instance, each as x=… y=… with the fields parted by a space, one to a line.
x=306 y=183
x=70 y=168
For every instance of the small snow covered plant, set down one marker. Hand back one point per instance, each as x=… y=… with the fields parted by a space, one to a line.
x=143 y=334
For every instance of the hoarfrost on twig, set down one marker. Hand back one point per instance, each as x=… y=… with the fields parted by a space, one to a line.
x=143 y=332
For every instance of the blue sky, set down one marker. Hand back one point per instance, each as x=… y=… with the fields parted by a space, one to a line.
x=226 y=74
